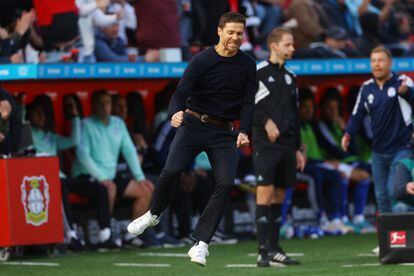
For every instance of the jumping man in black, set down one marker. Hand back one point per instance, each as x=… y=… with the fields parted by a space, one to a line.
x=216 y=89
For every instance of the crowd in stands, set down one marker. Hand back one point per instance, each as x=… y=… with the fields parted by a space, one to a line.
x=36 y=31
x=110 y=161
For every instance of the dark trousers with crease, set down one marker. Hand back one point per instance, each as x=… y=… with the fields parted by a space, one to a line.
x=193 y=137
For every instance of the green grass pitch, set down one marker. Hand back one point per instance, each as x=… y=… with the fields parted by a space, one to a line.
x=347 y=255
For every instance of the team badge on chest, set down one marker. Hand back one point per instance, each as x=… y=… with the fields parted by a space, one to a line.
x=288 y=79
x=391 y=92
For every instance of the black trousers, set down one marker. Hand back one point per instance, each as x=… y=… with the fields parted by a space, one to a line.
x=97 y=195
x=192 y=138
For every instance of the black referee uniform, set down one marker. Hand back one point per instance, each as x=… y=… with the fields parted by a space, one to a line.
x=214 y=91
x=274 y=163
x=276 y=99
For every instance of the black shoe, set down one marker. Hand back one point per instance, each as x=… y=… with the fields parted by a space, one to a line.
x=76 y=245
x=279 y=258
x=107 y=245
x=263 y=258
x=133 y=243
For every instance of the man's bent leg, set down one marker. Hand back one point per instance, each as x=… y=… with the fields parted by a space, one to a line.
x=186 y=145
x=224 y=163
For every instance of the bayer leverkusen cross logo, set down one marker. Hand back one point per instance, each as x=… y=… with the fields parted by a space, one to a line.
x=398 y=239
x=35 y=199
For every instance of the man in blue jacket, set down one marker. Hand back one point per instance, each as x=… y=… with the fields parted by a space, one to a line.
x=387 y=99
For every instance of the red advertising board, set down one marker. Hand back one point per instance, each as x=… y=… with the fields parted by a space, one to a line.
x=30 y=201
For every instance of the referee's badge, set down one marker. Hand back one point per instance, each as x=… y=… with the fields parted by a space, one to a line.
x=391 y=92
x=288 y=79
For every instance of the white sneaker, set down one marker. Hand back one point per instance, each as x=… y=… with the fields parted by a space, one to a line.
x=198 y=253
x=336 y=227
x=376 y=251
x=138 y=226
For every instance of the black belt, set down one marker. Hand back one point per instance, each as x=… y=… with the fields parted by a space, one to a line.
x=208 y=119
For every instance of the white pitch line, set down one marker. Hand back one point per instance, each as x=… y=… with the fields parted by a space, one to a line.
x=141 y=265
x=367 y=255
x=360 y=265
x=29 y=264
x=407 y=264
x=240 y=265
x=289 y=254
x=153 y=254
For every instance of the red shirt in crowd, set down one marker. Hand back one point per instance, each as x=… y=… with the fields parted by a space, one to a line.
x=46 y=9
x=158 y=25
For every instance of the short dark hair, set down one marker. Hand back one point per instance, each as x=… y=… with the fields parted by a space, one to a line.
x=382 y=49
x=276 y=35
x=305 y=94
x=96 y=95
x=331 y=94
x=231 y=17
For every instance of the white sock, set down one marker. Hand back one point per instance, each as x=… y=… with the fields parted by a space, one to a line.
x=345 y=219
x=203 y=244
x=359 y=218
x=104 y=234
x=71 y=235
x=336 y=221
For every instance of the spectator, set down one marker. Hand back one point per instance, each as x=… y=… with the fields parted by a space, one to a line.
x=158 y=17
x=127 y=23
x=325 y=173
x=10 y=124
x=69 y=156
x=310 y=25
x=370 y=34
x=206 y=14
x=406 y=8
x=332 y=46
x=161 y=101
x=340 y=16
x=58 y=26
x=123 y=108
x=185 y=23
x=109 y=47
x=91 y=14
x=103 y=138
x=403 y=183
x=331 y=126
x=14 y=36
x=46 y=142
x=359 y=7
x=270 y=13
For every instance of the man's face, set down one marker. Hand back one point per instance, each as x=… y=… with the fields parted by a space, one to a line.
x=338 y=44
x=284 y=48
x=330 y=111
x=120 y=108
x=231 y=36
x=5 y=109
x=111 y=31
x=103 y=107
x=306 y=110
x=380 y=65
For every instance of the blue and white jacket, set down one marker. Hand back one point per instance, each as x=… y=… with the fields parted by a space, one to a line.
x=390 y=113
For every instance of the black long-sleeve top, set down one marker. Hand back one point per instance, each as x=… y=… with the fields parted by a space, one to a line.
x=276 y=99
x=222 y=87
x=12 y=138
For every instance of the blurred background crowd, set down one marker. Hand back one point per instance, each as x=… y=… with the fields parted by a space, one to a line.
x=174 y=30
